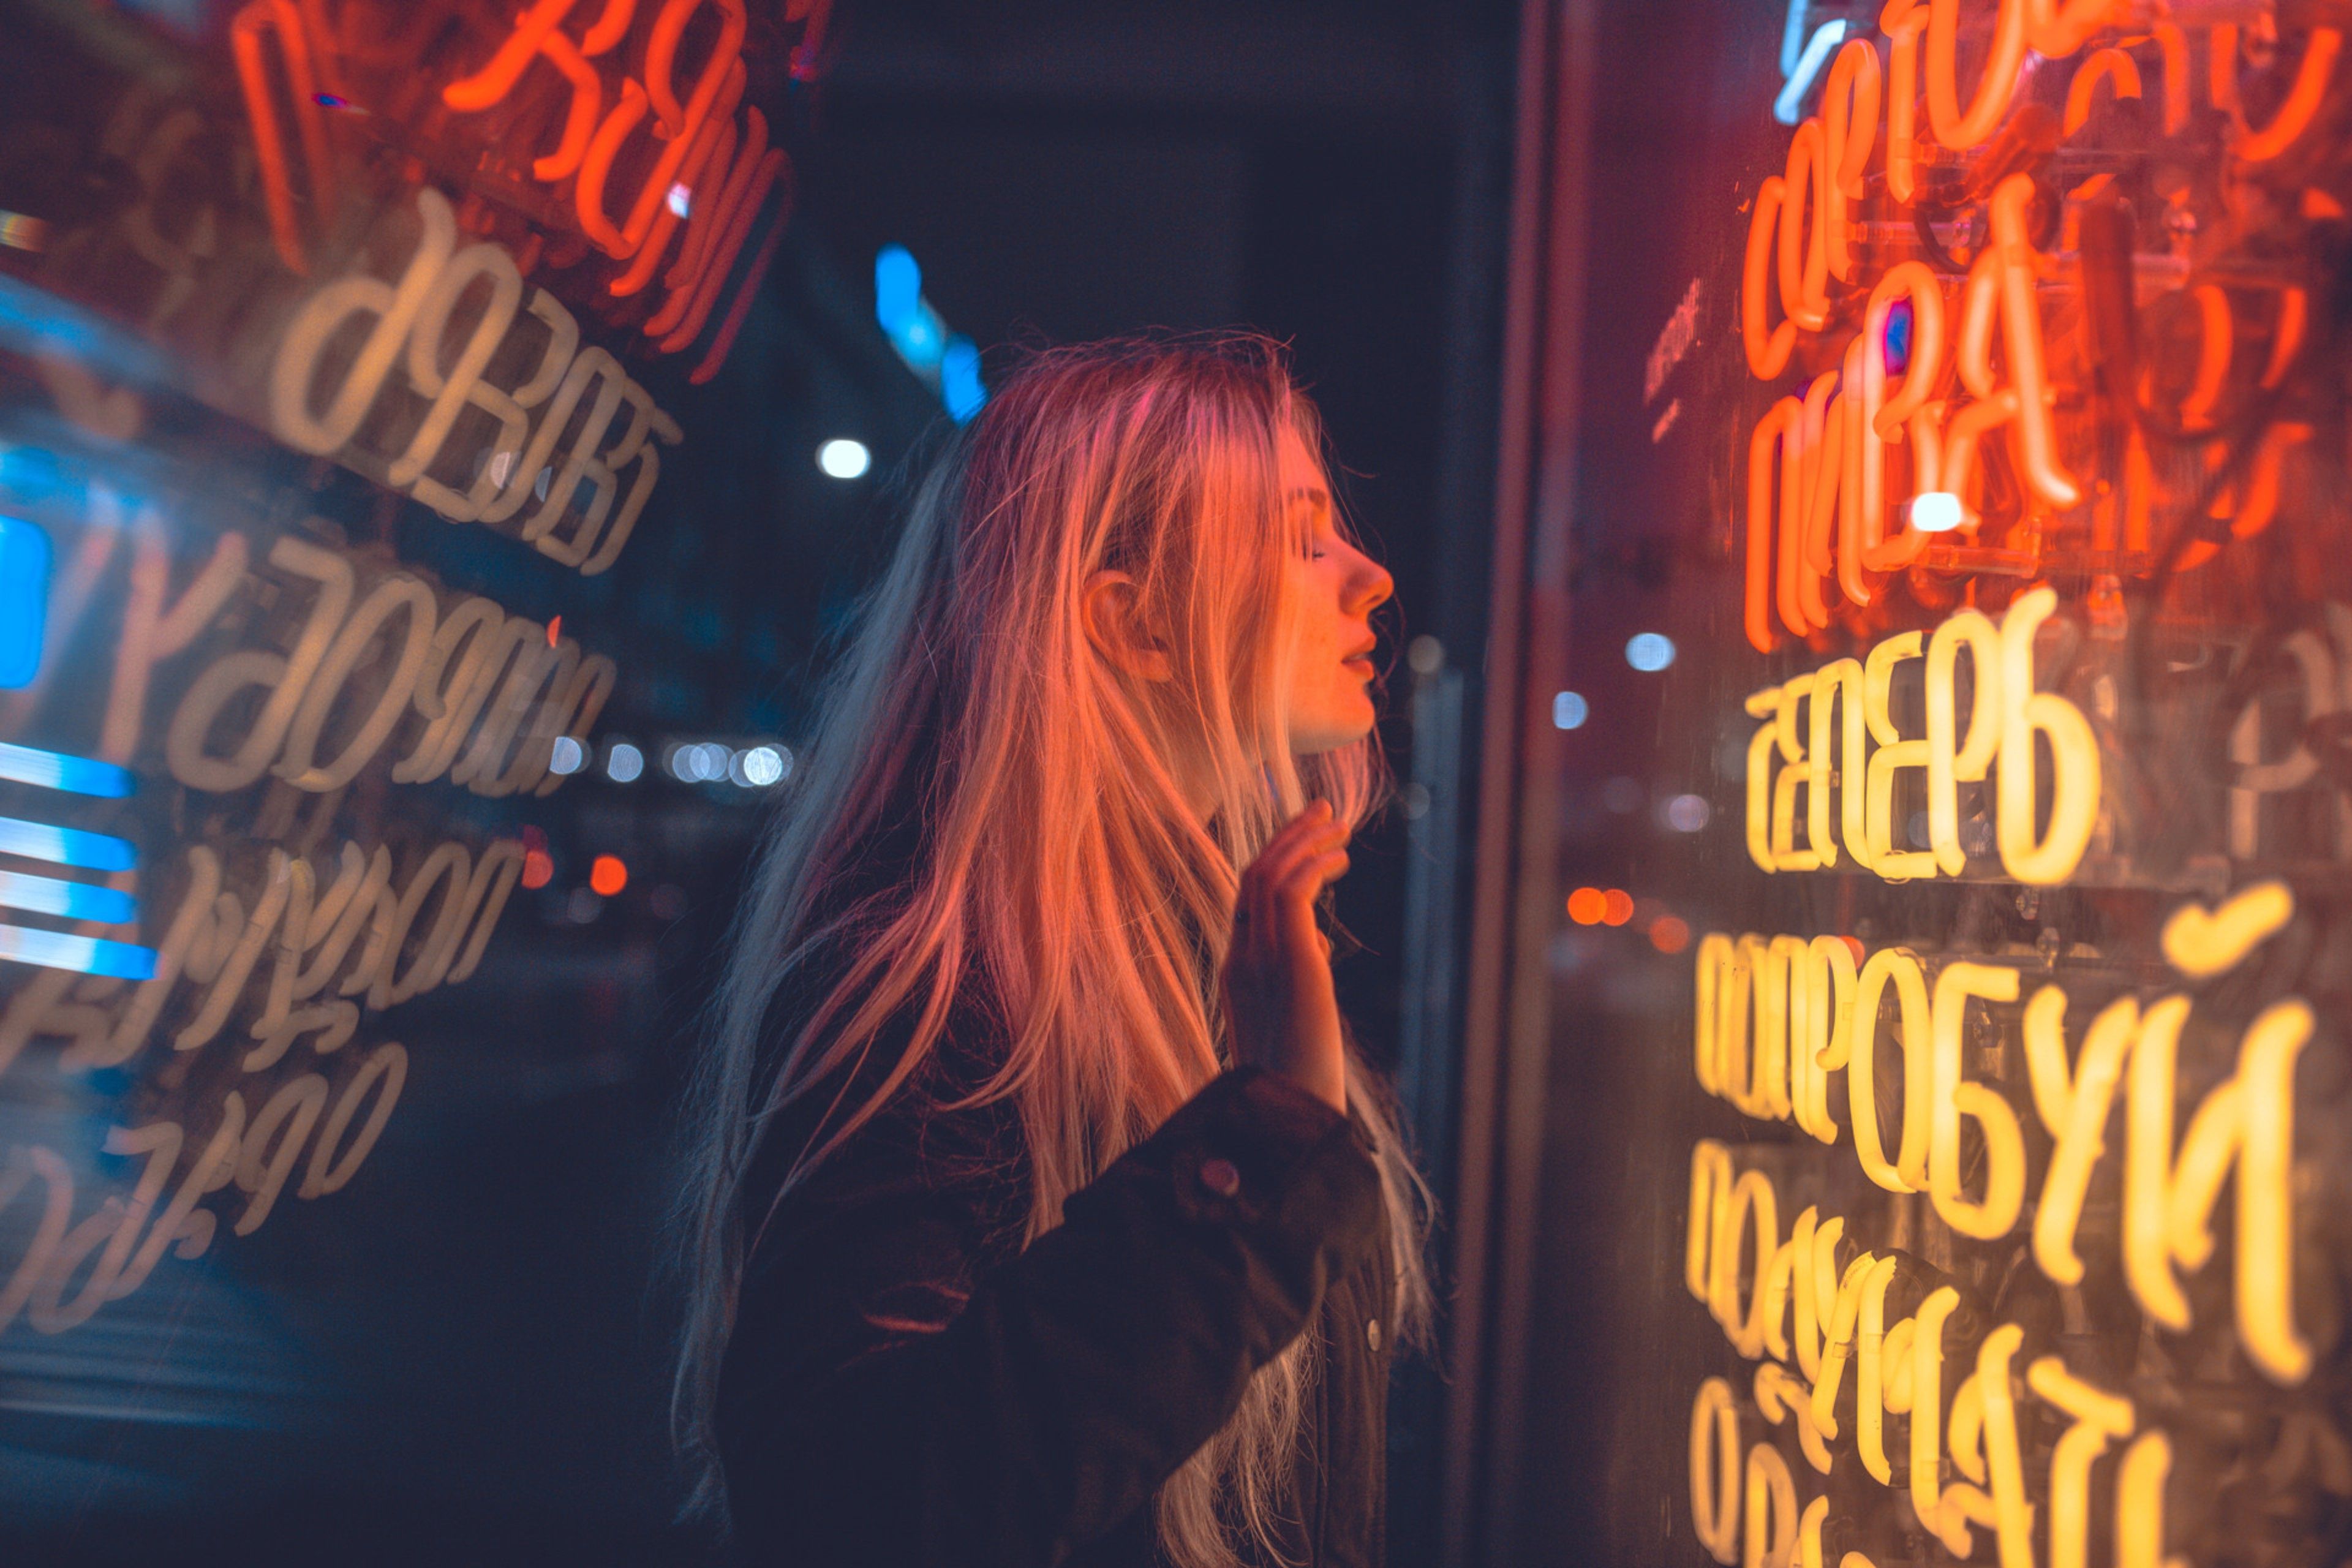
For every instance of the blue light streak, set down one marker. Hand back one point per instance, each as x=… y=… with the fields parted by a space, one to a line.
x=947 y=361
x=66 y=901
x=1789 y=108
x=84 y=954
x=959 y=384
x=66 y=845
x=58 y=771
x=24 y=600
x=1792 y=38
x=34 y=322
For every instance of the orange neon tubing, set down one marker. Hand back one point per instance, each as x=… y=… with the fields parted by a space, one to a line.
x=738 y=230
x=1986 y=111
x=494 y=81
x=269 y=138
x=1902 y=21
x=2255 y=512
x=2021 y=312
x=1852 y=526
x=2286 y=341
x=724 y=339
x=728 y=176
x=1805 y=538
x=2302 y=100
x=579 y=115
x=1767 y=349
x=2105 y=65
x=1969 y=428
x=661 y=58
x=1916 y=282
x=1849 y=412
x=716 y=72
x=2174 y=42
x=717 y=135
x=657 y=243
x=1819 y=464
x=1772 y=432
x=2054 y=30
x=1869 y=464
x=1979 y=306
x=1804 y=255
x=685 y=280
x=2216 y=344
x=1849 y=132
x=588 y=193
x=322 y=33
x=2221 y=71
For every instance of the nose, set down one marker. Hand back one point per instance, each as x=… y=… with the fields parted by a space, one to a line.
x=1369 y=587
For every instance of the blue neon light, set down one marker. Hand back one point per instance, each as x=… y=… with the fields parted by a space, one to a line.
x=1792 y=40
x=57 y=770
x=946 y=361
x=24 y=600
x=66 y=845
x=84 y=954
x=959 y=384
x=66 y=901
x=897 y=291
x=34 y=322
x=1790 y=107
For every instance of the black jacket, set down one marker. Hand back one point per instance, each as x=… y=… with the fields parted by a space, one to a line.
x=907 y=1386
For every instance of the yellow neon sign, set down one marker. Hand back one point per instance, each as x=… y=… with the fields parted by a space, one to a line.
x=2007 y=724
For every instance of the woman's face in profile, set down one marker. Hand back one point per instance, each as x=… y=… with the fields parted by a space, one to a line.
x=1336 y=586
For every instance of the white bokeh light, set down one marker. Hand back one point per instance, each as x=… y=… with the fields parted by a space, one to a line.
x=844 y=458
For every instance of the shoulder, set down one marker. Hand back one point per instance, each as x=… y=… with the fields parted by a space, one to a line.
x=935 y=1141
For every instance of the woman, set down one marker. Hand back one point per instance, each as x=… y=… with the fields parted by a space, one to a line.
x=1043 y=1215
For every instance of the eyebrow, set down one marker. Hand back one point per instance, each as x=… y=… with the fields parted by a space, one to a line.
x=1310 y=493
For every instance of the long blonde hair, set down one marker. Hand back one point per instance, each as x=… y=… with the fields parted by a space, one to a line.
x=1061 y=866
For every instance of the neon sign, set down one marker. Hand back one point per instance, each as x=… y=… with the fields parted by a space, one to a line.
x=1839 y=520
x=408 y=321
x=703 y=174
x=24 y=600
x=2045 y=1200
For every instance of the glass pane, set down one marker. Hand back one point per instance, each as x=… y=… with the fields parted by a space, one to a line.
x=1947 y=1125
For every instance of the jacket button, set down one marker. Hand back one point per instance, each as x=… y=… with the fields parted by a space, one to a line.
x=1220 y=1177
x=1372 y=1333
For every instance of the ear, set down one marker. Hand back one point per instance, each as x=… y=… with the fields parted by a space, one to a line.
x=1115 y=627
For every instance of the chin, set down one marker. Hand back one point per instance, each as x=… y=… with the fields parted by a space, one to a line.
x=1333 y=732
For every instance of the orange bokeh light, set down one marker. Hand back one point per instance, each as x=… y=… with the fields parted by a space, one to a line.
x=538 y=869
x=1669 y=933
x=1616 y=907
x=608 y=876
x=1588 y=906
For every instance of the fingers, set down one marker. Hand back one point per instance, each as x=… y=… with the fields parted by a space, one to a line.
x=1312 y=832
x=1292 y=869
x=1294 y=897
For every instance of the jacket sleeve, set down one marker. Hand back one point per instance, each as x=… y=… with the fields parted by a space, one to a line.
x=884 y=1406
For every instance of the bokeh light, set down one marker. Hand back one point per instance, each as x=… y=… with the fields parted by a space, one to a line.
x=843 y=458
x=1650 y=651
